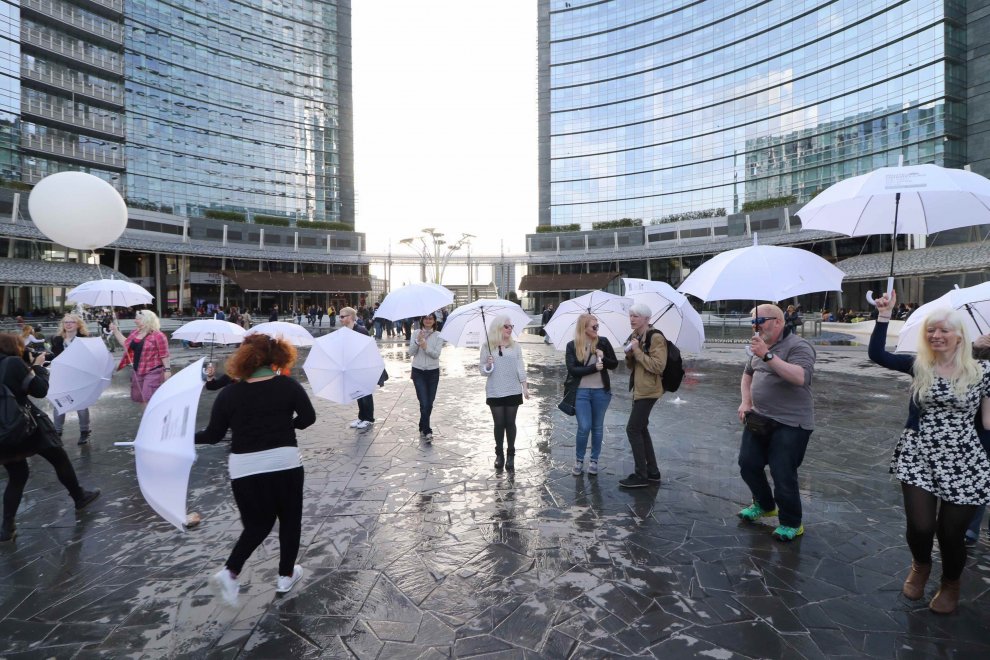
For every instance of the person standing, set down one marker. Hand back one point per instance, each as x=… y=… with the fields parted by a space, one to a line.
x=939 y=460
x=146 y=348
x=366 y=404
x=274 y=315
x=263 y=409
x=589 y=357
x=646 y=357
x=778 y=416
x=425 y=350
x=70 y=327
x=501 y=362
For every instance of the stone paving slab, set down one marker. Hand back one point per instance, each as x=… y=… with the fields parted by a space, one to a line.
x=425 y=551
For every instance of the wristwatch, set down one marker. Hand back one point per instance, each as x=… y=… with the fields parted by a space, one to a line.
x=769 y=356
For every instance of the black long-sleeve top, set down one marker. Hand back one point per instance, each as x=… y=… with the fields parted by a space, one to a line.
x=903 y=363
x=14 y=370
x=262 y=415
x=577 y=371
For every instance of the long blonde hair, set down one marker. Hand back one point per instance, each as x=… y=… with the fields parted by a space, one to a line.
x=966 y=371
x=495 y=331
x=581 y=343
x=81 y=329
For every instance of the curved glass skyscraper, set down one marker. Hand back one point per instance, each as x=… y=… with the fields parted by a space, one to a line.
x=651 y=108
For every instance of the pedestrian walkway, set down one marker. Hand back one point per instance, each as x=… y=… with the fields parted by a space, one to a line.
x=425 y=551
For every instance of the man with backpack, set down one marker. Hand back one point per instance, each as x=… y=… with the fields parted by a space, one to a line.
x=778 y=414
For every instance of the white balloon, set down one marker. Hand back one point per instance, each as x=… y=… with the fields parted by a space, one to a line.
x=78 y=210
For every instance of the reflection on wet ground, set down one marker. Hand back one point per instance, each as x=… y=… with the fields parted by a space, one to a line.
x=415 y=550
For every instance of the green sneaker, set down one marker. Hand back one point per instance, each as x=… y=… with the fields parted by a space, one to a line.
x=754 y=512
x=783 y=533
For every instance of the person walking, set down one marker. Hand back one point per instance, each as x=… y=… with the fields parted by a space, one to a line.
x=366 y=404
x=589 y=357
x=263 y=409
x=146 y=348
x=939 y=460
x=425 y=350
x=70 y=327
x=646 y=357
x=501 y=362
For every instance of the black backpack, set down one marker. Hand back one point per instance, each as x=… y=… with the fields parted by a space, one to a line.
x=16 y=421
x=673 y=371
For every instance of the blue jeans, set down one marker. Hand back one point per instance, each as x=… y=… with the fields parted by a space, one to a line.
x=378 y=329
x=425 y=381
x=783 y=451
x=591 y=404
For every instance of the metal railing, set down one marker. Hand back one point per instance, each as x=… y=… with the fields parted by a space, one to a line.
x=67 y=149
x=65 y=14
x=33 y=175
x=72 y=85
x=70 y=49
x=115 y=5
x=48 y=111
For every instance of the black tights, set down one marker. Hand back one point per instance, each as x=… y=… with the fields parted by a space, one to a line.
x=505 y=427
x=926 y=520
x=17 y=476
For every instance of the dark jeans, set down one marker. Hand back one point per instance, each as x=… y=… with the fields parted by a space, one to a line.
x=262 y=499
x=18 y=472
x=783 y=451
x=425 y=381
x=638 y=431
x=366 y=408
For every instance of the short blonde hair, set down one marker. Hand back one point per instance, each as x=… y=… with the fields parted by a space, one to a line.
x=81 y=328
x=148 y=320
x=347 y=311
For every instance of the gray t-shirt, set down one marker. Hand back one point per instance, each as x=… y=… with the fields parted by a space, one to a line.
x=792 y=405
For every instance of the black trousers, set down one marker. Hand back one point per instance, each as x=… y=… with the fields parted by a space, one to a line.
x=262 y=499
x=366 y=408
x=18 y=471
x=638 y=432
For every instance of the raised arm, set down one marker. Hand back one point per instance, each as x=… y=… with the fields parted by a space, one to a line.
x=878 y=340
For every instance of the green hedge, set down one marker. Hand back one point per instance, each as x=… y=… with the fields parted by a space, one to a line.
x=550 y=229
x=236 y=216
x=320 y=224
x=689 y=215
x=616 y=224
x=15 y=185
x=272 y=220
x=769 y=203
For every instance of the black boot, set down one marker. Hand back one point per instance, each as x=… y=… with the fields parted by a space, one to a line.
x=85 y=498
x=510 y=456
x=7 y=530
x=499 y=456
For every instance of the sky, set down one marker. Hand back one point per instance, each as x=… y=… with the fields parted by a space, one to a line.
x=445 y=121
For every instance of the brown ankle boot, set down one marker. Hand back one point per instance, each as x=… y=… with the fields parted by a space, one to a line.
x=917 y=578
x=947 y=599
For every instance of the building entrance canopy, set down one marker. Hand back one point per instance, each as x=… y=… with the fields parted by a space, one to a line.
x=545 y=283
x=35 y=272
x=266 y=282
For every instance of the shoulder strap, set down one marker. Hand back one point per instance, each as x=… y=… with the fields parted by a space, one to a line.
x=649 y=336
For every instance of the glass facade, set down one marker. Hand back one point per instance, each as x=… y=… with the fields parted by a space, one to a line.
x=654 y=107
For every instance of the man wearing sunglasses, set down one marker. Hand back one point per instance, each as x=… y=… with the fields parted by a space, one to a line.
x=778 y=414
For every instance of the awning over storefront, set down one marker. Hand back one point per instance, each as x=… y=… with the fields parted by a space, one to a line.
x=299 y=282
x=35 y=272
x=543 y=282
x=945 y=259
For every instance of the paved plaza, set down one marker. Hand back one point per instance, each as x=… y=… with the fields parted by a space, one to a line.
x=425 y=551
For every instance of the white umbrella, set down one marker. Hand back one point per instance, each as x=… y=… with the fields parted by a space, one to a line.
x=467 y=326
x=163 y=449
x=343 y=366
x=414 y=300
x=973 y=302
x=611 y=310
x=210 y=331
x=80 y=374
x=293 y=333
x=109 y=293
x=762 y=272
x=673 y=315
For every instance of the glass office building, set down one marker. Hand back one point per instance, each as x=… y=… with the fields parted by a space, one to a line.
x=651 y=108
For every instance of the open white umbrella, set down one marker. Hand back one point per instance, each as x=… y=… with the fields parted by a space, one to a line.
x=293 y=333
x=210 y=331
x=673 y=315
x=344 y=366
x=80 y=374
x=973 y=302
x=163 y=449
x=467 y=326
x=109 y=293
x=611 y=310
x=414 y=300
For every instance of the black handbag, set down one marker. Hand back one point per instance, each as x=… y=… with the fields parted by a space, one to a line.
x=45 y=436
x=760 y=424
x=566 y=404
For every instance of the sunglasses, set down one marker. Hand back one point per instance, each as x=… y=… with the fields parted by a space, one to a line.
x=594 y=327
x=508 y=326
x=760 y=320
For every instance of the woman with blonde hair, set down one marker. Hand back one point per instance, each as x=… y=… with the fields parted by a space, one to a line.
x=70 y=327
x=943 y=468
x=263 y=409
x=146 y=347
x=589 y=358
x=501 y=362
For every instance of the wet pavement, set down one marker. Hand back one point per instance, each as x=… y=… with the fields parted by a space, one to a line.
x=425 y=551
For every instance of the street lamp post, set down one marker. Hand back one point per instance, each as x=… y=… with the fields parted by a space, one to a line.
x=434 y=251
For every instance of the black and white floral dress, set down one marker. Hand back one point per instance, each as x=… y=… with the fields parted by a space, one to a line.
x=940 y=451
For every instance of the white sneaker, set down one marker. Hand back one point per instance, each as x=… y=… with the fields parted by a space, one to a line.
x=578 y=468
x=362 y=424
x=226 y=586
x=593 y=467
x=355 y=423
x=428 y=437
x=285 y=583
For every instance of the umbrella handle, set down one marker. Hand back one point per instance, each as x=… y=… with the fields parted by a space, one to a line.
x=890 y=288
x=123 y=444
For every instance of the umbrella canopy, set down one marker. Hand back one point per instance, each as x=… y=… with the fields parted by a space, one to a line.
x=163 y=449
x=210 y=331
x=80 y=374
x=467 y=326
x=762 y=272
x=414 y=300
x=611 y=310
x=293 y=333
x=343 y=366
x=109 y=293
x=973 y=302
x=673 y=315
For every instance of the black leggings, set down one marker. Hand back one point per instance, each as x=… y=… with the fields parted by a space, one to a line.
x=262 y=499
x=926 y=519
x=505 y=427
x=18 y=471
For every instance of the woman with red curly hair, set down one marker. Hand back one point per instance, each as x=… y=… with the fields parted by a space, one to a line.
x=263 y=409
